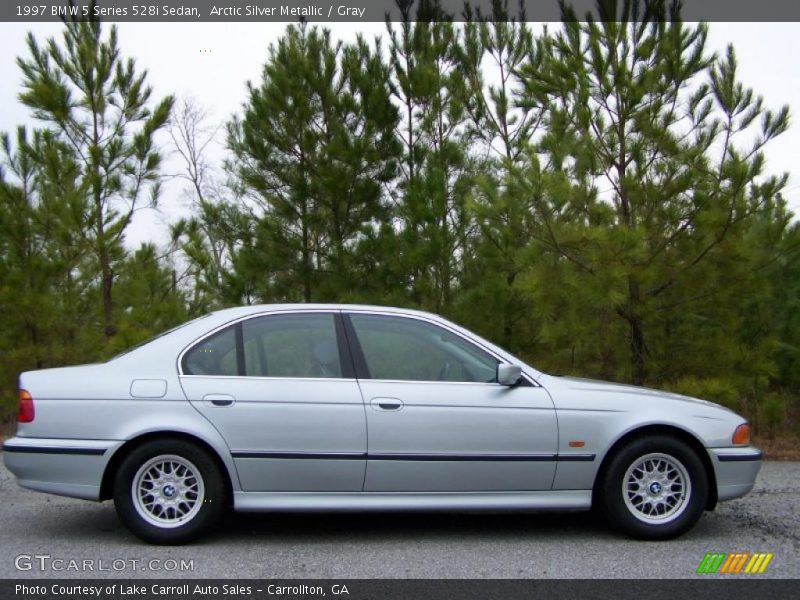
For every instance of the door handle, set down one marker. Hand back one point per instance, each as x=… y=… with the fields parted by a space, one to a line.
x=219 y=399
x=386 y=403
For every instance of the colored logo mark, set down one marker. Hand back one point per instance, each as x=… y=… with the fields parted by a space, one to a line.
x=736 y=563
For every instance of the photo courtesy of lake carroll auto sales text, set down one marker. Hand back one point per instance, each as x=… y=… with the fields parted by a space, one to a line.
x=393 y=299
x=181 y=590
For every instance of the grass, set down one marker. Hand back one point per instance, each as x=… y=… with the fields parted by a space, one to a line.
x=780 y=447
x=6 y=430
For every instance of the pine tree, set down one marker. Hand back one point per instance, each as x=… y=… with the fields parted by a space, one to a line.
x=438 y=174
x=504 y=130
x=45 y=282
x=150 y=300
x=98 y=104
x=314 y=148
x=640 y=111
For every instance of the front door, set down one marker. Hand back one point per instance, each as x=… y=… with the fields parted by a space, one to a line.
x=438 y=421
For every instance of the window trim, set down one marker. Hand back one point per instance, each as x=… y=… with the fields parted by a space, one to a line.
x=356 y=352
x=351 y=347
x=362 y=371
x=345 y=356
x=239 y=341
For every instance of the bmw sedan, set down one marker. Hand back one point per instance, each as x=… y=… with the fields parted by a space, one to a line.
x=358 y=408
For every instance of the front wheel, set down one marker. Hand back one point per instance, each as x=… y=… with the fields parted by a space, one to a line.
x=169 y=492
x=655 y=488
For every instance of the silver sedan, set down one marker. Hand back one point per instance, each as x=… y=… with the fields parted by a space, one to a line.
x=335 y=407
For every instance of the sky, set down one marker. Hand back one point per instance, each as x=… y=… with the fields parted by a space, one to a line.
x=211 y=62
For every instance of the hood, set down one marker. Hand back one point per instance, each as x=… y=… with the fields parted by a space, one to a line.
x=592 y=385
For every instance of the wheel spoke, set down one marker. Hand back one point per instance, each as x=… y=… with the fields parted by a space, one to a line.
x=656 y=488
x=168 y=491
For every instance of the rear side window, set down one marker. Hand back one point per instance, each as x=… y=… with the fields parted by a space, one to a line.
x=291 y=346
x=215 y=355
x=298 y=345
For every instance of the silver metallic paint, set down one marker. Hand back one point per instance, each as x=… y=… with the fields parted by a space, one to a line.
x=463 y=419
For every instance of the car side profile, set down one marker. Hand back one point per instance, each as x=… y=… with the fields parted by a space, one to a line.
x=362 y=408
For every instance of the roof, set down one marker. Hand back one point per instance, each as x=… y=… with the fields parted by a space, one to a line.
x=256 y=308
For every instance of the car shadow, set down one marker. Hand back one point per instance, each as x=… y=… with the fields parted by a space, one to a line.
x=325 y=527
x=98 y=523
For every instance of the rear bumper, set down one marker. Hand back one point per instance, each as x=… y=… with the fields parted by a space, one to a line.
x=736 y=470
x=57 y=466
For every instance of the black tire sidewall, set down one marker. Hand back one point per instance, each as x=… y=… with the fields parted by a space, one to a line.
x=613 y=503
x=214 y=499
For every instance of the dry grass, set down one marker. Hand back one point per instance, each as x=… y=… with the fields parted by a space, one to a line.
x=6 y=430
x=781 y=447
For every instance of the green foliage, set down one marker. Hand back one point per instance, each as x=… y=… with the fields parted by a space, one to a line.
x=67 y=194
x=721 y=390
x=313 y=150
x=594 y=198
x=98 y=106
x=207 y=241
x=661 y=237
x=149 y=300
x=773 y=414
x=510 y=184
x=437 y=171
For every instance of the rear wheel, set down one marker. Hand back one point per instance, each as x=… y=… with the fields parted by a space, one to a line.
x=655 y=488
x=169 y=492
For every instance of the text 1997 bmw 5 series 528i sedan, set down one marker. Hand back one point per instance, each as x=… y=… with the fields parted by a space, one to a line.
x=334 y=407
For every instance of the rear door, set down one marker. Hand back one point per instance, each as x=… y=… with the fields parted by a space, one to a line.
x=280 y=389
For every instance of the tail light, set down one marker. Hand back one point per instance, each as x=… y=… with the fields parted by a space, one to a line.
x=741 y=435
x=26 y=412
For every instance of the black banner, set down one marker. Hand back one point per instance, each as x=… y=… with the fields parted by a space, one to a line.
x=194 y=11
x=400 y=589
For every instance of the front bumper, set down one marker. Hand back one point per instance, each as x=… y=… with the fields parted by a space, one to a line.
x=58 y=466
x=736 y=470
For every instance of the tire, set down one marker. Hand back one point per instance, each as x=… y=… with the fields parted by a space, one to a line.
x=169 y=492
x=655 y=488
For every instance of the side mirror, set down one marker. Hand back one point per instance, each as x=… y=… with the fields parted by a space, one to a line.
x=508 y=374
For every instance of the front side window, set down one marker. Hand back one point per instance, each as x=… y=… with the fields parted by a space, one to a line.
x=398 y=348
x=298 y=345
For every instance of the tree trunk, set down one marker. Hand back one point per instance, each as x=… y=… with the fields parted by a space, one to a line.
x=637 y=345
x=306 y=257
x=103 y=257
x=107 y=276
